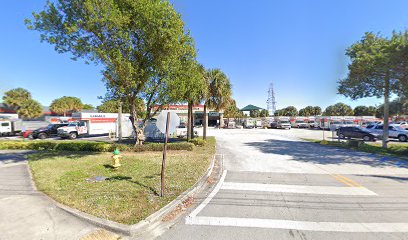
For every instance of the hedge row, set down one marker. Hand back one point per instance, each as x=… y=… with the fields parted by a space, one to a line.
x=91 y=146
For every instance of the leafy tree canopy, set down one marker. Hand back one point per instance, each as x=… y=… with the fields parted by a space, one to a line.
x=112 y=106
x=88 y=107
x=254 y=113
x=15 y=98
x=365 y=111
x=338 y=109
x=30 y=109
x=66 y=105
x=264 y=113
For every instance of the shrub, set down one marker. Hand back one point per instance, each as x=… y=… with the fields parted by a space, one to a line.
x=92 y=146
x=198 y=142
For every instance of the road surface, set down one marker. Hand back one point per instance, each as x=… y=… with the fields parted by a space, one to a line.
x=279 y=187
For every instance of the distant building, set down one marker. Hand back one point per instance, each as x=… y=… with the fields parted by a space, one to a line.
x=214 y=117
x=247 y=109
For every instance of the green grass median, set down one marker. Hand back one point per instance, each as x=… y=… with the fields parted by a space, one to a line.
x=128 y=194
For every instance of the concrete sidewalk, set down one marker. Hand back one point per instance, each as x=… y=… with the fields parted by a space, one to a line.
x=26 y=213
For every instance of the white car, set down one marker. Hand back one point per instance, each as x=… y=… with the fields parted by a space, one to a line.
x=394 y=131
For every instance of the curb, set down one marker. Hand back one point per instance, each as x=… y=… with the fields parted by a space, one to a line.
x=145 y=225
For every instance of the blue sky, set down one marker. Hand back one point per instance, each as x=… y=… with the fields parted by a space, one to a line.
x=297 y=45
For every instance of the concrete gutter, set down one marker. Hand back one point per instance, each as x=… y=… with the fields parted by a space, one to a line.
x=151 y=222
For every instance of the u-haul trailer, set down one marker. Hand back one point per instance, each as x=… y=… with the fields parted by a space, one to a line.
x=90 y=124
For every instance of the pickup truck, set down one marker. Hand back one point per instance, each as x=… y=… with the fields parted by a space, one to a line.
x=284 y=124
x=394 y=131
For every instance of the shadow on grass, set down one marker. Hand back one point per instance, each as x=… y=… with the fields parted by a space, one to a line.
x=41 y=155
x=129 y=179
x=316 y=153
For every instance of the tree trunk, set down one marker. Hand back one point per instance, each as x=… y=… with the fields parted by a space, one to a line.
x=386 y=111
x=138 y=131
x=189 y=113
x=192 y=122
x=205 y=125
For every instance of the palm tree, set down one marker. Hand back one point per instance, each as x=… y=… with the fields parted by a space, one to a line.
x=218 y=95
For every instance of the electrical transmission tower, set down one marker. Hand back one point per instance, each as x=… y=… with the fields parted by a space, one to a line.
x=271 y=102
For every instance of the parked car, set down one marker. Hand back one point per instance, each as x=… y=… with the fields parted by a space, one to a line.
x=49 y=131
x=394 y=131
x=274 y=124
x=349 y=124
x=334 y=126
x=403 y=124
x=366 y=124
x=284 y=124
x=357 y=132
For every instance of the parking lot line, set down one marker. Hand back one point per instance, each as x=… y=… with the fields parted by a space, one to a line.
x=306 y=189
x=299 y=225
x=343 y=179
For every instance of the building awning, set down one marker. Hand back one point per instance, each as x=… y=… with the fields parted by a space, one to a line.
x=250 y=108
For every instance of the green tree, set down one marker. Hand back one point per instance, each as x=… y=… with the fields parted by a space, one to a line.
x=290 y=111
x=15 y=98
x=254 y=113
x=364 y=111
x=30 y=109
x=88 y=107
x=307 y=111
x=142 y=45
x=338 y=109
x=264 y=113
x=112 y=106
x=219 y=92
x=378 y=68
x=398 y=106
x=66 y=105
x=279 y=112
x=317 y=111
x=232 y=111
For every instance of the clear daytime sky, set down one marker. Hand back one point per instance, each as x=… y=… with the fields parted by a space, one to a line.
x=298 y=45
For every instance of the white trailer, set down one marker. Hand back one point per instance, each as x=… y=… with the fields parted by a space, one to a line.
x=90 y=124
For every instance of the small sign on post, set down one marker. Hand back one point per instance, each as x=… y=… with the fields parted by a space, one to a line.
x=166 y=122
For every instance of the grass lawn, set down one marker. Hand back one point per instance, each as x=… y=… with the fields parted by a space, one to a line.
x=131 y=193
x=398 y=150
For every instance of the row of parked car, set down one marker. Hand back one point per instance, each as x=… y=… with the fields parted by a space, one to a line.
x=373 y=132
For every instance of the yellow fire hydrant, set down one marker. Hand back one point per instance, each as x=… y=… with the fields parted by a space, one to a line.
x=116 y=159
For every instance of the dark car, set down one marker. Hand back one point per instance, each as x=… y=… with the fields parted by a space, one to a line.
x=50 y=130
x=357 y=132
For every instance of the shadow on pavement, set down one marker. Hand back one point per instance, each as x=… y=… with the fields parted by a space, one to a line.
x=315 y=153
x=13 y=156
x=396 y=178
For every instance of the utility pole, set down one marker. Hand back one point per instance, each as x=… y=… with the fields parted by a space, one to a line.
x=271 y=102
x=120 y=121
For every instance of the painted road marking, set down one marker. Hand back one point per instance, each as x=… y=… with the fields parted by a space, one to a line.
x=210 y=196
x=299 y=225
x=327 y=190
x=345 y=180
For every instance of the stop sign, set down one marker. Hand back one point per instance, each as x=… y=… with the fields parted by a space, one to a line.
x=162 y=119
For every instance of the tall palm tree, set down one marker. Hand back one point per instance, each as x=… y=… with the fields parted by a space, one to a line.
x=218 y=95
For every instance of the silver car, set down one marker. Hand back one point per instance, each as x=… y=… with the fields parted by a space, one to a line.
x=394 y=131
